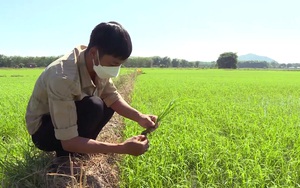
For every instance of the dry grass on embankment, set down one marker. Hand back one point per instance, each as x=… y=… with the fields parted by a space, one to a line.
x=101 y=170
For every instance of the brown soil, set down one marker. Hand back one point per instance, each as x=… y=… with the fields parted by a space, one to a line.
x=103 y=167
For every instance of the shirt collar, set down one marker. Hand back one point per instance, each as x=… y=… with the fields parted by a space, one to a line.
x=85 y=77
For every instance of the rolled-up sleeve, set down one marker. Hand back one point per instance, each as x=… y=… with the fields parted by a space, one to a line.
x=64 y=118
x=62 y=107
x=110 y=93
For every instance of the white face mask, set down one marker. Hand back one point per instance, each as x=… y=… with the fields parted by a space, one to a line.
x=105 y=71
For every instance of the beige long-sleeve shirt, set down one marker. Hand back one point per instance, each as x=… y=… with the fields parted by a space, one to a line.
x=63 y=82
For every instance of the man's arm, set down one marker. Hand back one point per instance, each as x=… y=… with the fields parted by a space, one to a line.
x=134 y=146
x=124 y=109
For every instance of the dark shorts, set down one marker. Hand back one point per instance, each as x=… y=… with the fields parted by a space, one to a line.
x=92 y=115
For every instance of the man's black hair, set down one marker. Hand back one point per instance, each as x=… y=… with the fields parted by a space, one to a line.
x=111 y=39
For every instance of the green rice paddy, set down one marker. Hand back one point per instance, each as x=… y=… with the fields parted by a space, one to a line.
x=240 y=129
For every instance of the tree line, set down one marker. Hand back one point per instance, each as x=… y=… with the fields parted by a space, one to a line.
x=165 y=62
x=227 y=60
x=30 y=62
x=156 y=61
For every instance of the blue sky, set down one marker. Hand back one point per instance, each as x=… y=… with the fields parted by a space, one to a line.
x=190 y=29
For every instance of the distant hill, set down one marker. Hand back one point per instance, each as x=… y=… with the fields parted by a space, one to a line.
x=253 y=57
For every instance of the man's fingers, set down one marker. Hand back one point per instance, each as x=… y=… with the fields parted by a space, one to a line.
x=144 y=142
x=146 y=146
x=153 y=118
x=141 y=137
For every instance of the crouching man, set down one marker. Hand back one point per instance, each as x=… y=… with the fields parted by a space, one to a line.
x=75 y=97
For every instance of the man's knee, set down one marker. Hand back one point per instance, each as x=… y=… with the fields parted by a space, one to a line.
x=93 y=110
x=92 y=115
x=90 y=104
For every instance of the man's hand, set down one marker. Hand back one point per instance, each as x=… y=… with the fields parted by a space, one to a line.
x=125 y=110
x=136 y=145
x=148 y=121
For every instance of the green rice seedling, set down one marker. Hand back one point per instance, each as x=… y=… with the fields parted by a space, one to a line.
x=171 y=105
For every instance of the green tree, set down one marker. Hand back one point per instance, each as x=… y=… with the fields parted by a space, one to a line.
x=183 y=63
x=227 y=60
x=165 y=62
x=175 y=62
x=156 y=61
x=138 y=62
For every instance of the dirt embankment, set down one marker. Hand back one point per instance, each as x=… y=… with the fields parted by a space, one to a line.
x=101 y=169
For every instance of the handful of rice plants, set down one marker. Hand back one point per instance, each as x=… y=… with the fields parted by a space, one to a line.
x=172 y=104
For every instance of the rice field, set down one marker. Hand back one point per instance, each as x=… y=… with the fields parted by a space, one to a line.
x=234 y=128
x=238 y=129
x=17 y=154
